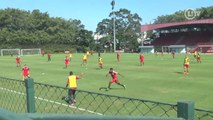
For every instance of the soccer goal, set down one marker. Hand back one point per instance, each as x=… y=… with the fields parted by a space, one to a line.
x=10 y=52
x=35 y=51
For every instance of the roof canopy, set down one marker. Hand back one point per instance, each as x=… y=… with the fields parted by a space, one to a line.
x=173 y=24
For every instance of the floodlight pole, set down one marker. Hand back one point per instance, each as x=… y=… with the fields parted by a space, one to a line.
x=114 y=38
x=114 y=31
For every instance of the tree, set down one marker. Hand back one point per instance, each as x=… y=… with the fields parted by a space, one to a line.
x=127 y=28
x=25 y=29
x=205 y=13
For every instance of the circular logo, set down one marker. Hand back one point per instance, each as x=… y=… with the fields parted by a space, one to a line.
x=190 y=14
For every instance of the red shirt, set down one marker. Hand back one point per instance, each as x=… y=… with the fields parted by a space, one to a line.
x=25 y=71
x=141 y=57
x=118 y=55
x=66 y=60
x=173 y=53
x=17 y=59
x=49 y=55
x=113 y=74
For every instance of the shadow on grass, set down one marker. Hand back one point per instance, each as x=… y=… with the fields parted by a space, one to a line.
x=179 y=72
x=107 y=89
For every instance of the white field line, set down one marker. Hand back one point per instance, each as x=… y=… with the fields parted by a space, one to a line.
x=51 y=101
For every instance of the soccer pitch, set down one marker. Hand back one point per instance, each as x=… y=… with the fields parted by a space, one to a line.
x=160 y=79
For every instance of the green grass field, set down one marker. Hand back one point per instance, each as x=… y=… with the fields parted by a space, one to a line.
x=160 y=79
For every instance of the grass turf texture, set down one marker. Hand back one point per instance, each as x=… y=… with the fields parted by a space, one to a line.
x=160 y=79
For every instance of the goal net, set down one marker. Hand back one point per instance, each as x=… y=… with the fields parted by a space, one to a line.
x=35 y=51
x=11 y=52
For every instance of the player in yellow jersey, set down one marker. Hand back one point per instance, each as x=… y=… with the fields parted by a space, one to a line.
x=100 y=62
x=186 y=65
x=84 y=60
x=88 y=53
x=70 y=57
x=72 y=84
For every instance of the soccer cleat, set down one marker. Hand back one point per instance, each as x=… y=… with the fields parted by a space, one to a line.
x=124 y=86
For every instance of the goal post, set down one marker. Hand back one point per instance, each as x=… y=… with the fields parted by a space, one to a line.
x=10 y=52
x=33 y=51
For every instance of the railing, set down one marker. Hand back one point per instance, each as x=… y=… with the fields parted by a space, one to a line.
x=201 y=114
x=7 y=115
x=97 y=103
x=44 y=98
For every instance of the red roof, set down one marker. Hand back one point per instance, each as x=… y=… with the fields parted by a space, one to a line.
x=164 y=25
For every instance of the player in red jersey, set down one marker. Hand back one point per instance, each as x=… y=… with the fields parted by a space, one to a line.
x=173 y=54
x=66 y=61
x=42 y=52
x=114 y=78
x=198 y=58
x=141 y=59
x=25 y=72
x=91 y=52
x=162 y=54
x=18 y=61
x=118 y=56
x=49 y=57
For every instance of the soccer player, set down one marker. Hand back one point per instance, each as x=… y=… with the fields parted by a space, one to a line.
x=72 y=83
x=100 y=62
x=18 y=61
x=66 y=61
x=141 y=59
x=118 y=56
x=186 y=65
x=91 y=52
x=88 y=53
x=114 y=78
x=195 y=54
x=162 y=54
x=70 y=57
x=84 y=60
x=25 y=72
x=42 y=52
x=156 y=53
x=198 y=58
x=49 y=57
x=173 y=54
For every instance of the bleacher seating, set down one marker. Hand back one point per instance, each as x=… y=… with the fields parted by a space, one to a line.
x=188 y=38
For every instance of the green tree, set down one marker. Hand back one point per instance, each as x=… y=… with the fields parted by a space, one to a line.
x=127 y=28
x=25 y=29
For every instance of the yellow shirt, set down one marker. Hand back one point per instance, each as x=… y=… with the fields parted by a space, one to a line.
x=100 y=60
x=72 y=82
x=88 y=53
x=84 y=57
x=186 y=61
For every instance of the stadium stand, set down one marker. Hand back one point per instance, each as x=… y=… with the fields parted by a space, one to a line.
x=194 y=34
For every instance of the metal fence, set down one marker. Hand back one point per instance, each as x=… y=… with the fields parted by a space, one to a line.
x=48 y=99
x=201 y=114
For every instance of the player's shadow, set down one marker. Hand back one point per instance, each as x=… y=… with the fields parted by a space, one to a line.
x=107 y=89
x=179 y=72
x=99 y=68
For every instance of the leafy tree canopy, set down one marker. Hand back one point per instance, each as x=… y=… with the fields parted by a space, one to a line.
x=25 y=29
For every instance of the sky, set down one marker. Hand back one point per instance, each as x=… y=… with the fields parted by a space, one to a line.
x=91 y=12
